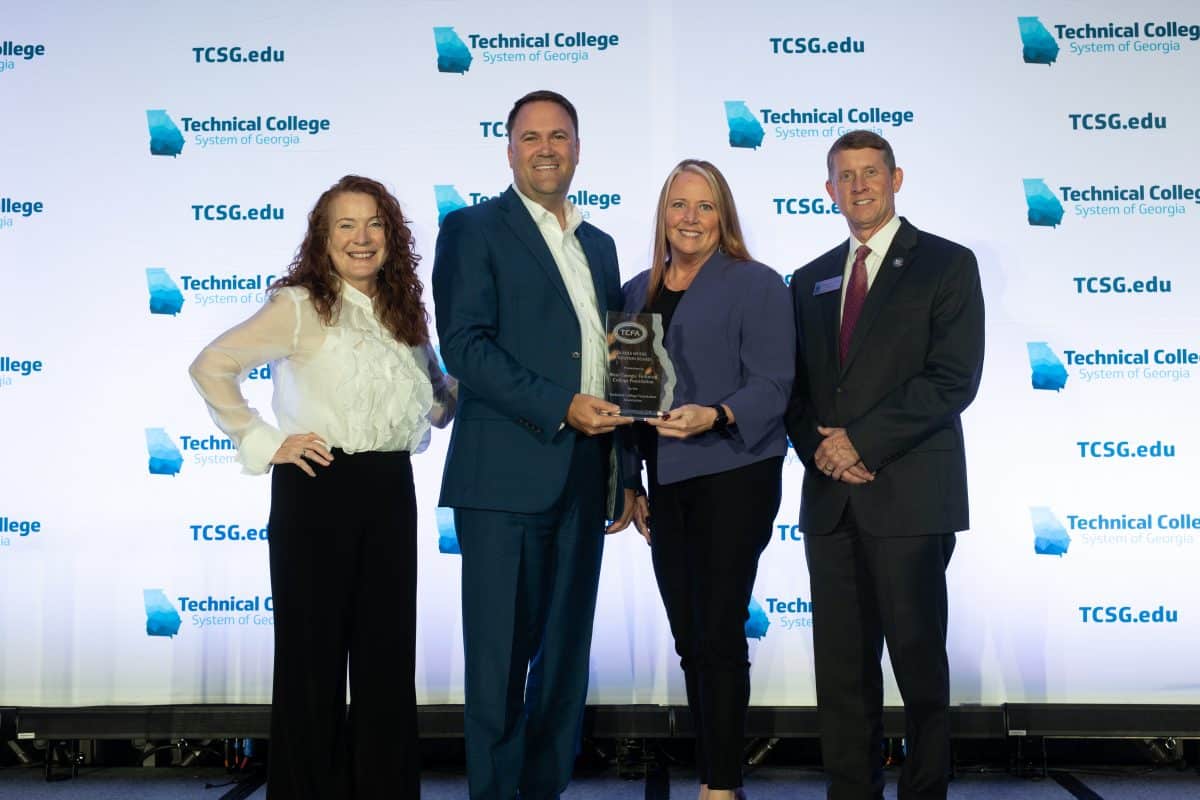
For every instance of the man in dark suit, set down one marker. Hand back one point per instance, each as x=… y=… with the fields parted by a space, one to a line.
x=521 y=286
x=889 y=353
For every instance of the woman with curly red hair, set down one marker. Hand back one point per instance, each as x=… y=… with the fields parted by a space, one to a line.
x=356 y=387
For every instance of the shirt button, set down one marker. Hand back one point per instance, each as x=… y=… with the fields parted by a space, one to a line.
x=575 y=355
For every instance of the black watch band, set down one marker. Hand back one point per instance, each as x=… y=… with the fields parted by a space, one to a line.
x=722 y=420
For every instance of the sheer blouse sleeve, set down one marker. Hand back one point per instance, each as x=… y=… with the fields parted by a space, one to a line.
x=272 y=333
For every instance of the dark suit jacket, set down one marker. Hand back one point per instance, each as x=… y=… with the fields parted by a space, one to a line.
x=510 y=335
x=914 y=364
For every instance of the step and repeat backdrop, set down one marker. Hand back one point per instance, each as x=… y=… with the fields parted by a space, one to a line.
x=157 y=165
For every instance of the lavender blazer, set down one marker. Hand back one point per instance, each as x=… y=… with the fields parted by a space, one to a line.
x=732 y=340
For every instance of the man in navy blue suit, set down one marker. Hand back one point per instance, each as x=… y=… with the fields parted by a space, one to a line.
x=521 y=285
x=889 y=354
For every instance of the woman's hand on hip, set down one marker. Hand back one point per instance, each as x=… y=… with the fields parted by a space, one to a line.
x=300 y=449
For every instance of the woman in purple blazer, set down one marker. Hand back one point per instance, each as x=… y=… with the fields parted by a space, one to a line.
x=714 y=462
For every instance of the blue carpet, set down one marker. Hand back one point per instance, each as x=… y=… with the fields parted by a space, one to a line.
x=768 y=783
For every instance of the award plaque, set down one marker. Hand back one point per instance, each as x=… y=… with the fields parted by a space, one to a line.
x=641 y=378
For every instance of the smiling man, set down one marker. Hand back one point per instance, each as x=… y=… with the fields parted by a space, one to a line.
x=889 y=354
x=521 y=285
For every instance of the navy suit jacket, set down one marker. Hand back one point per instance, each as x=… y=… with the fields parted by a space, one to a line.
x=732 y=341
x=914 y=364
x=509 y=333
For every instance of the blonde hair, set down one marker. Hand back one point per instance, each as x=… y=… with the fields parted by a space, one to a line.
x=730 y=241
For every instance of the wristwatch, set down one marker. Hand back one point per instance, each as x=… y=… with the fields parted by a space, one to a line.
x=722 y=420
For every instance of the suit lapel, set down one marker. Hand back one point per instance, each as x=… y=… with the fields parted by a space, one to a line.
x=895 y=263
x=519 y=221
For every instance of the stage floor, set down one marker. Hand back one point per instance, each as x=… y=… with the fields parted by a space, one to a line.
x=767 y=783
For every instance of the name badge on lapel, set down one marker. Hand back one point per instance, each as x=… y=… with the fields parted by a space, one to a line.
x=828 y=285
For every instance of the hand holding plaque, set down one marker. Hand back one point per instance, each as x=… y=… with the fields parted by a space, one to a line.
x=641 y=377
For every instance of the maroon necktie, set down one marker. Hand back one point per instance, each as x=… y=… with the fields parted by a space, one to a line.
x=856 y=293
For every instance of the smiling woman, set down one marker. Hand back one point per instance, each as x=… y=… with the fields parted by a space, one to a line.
x=714 y=462
x=396 y=289
x=357 y=242
x=693 y=226
x=356 y=388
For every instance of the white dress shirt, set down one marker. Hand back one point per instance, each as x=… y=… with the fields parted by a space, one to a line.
x=573 y=266
x=879 y=244
x=351 y=383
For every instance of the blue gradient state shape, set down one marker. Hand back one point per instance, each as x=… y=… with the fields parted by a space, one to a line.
x=165 y=297
x=1037 y=44
x=165 y=458
x=447 y=536
x=756 y=621
x=1044 y=208
x=448 y=199
x=165 y=138
x=1050 y=538
x=161 y=617
x=453 y=55
x=1046 y=370
x=744 y=130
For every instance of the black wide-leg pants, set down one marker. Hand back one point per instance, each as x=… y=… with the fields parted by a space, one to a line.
x=706 y=536
x=343 y=581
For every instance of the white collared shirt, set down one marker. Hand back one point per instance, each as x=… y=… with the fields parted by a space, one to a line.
x=879 y=244
x=573 y=267
x=351 y=382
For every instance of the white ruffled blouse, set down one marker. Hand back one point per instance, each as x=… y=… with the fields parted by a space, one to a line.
x=351 y=383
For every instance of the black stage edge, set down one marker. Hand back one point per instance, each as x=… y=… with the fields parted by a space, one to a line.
x=8 y=724
x=1068 y=720
x=605 y=722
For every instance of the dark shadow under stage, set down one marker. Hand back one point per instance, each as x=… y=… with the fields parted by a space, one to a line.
x=1022 y=752
x=767 y=783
